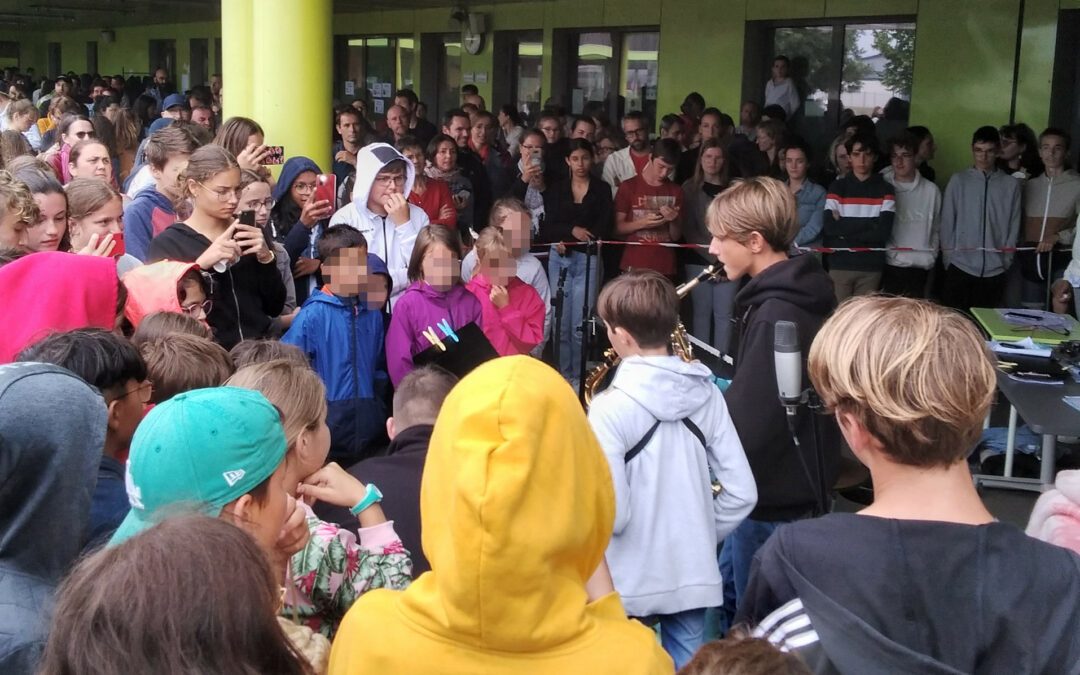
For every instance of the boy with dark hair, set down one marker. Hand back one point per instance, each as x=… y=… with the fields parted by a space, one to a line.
x=862 y=205
x=918 y=216
x=647 y=210
x=417 y=401
x=682 y=481
x=980 y=215
x=180 y=362
x=152 y=210
x=340 y=328
x=112 y=365
x=1051 y=202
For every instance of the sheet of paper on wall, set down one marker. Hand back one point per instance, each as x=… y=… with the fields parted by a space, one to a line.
x=385 y=89
x=481 y=77
x=468 y=77
x=350 y=88
x=379 y=106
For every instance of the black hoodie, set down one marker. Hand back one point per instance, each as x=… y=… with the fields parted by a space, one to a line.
x=861 y=594
x=245 y=296
x=48 y=469
x=800 y=291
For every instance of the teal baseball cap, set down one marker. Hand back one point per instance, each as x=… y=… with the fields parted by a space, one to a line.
x=198 y=451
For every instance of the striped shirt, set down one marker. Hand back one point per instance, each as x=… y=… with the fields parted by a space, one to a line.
x=859 y=214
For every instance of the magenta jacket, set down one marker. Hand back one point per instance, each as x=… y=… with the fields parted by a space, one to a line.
x=418 y=308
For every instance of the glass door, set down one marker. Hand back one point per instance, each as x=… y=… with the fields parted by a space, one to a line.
x=527 y=72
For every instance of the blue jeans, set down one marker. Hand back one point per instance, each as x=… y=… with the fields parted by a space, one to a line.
x=735 y=557
x=712 y=304
x=573 y=304
x=682 y=634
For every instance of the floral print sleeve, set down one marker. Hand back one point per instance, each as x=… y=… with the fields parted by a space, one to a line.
x=333 y=570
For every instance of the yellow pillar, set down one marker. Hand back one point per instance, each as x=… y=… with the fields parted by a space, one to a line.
x=293 y=69
x=237 y=58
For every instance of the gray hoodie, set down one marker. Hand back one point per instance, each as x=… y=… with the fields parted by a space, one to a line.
x=662 y=552
x=980 y=210
x=48 y=471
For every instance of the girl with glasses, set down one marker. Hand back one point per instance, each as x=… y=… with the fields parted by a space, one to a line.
x=247 y=289
x=297 y=221
x=255 y=196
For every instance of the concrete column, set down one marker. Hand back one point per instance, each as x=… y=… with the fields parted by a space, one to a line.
x=292 y=67
x=237 y=57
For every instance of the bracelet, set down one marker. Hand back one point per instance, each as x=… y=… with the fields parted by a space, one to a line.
x=273 y=257
x=371 y=497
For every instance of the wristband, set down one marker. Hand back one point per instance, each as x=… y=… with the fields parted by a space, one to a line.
x=371 y=497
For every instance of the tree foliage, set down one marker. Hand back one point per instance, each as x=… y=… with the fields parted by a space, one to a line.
x=898 y=48
x=812 y=64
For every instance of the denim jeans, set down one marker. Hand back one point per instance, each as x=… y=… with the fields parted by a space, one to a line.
x=682 y=634
x=735 y=557
x=574 y=262
x=712 y=303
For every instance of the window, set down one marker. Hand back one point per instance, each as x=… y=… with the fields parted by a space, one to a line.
x=1065 y=95
x=841 y=68
x=528 y=73
x=372 y=69
x=54 y=58
x=200 y=61
x=91 y=56
x=163 y=55
x=615 y=71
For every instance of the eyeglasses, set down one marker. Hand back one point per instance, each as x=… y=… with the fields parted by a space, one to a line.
x=304 y=188
x=532 y=147
x=145 y=390
x=635 y=132
x=222 y=194
x=267 y=204
x=205 y=306
x=390 y=180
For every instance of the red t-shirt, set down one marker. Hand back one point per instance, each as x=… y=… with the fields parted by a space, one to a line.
x=639 y=161
x=636 y=199
x=434 y=198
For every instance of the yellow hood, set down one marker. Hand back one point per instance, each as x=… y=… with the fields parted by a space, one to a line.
x=517 y=508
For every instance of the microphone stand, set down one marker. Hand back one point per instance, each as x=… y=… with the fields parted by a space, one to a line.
x=809 y=398
x=590 y=247
x=557 y=306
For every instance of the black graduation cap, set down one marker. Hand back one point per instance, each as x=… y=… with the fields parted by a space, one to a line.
x=460 y=357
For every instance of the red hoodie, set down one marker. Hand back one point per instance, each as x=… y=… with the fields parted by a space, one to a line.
x=51 y=292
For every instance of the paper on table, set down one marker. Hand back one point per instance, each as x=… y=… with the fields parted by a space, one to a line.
x=1027 y=347
x=1074 y=401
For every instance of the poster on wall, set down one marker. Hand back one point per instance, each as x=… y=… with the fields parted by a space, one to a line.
x=379 y=103
x=350 y=88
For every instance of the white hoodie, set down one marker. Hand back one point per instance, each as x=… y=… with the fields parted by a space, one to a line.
x=392 y=243
x=918 y=218
x=662 y=552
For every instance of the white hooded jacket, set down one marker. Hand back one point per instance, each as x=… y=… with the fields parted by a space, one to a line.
x=392 y=243
x=918 y=219
x=662 y=552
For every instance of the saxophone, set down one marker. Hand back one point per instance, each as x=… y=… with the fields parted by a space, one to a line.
x=680 y=345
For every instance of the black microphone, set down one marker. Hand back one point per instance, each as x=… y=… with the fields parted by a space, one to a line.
x=787 y=359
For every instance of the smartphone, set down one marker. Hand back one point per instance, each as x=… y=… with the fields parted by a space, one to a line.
x=536 y=160
x=326 y=188
x=276 y=155
x=118 y=250
x=247 y=218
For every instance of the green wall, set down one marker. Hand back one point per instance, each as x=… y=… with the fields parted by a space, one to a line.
x=964 y=58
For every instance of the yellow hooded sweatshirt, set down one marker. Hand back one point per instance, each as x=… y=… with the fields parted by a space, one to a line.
x=517 y=508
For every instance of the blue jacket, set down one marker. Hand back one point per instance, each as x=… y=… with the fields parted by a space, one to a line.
x=344 y=341
x=145 y=217
x=298 y=240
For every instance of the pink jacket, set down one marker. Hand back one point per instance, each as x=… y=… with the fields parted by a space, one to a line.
x=516 y=328
x=1056 y=516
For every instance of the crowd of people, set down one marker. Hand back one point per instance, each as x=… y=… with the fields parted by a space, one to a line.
x=337 y=407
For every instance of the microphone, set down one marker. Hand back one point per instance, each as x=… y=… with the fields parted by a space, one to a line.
x=787 y=358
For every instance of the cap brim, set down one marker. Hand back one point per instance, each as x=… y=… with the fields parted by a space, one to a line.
x=134 y=523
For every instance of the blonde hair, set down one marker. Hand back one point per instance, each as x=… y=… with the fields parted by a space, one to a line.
x=491 y=242
x=87 y=195
x=504 y=207
x=15 y=198
x=294 y=388
x=917 y=376
x=763 y=205
x=205 y=163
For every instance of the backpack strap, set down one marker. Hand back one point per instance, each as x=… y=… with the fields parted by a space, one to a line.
x=694 y=429
x=640 y=445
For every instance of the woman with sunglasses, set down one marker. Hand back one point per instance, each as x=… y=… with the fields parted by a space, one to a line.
x=72 y=129
x=247 y=289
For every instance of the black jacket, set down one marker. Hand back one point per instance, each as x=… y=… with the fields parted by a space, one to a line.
x=245 y=296
x=861 y=594
x=800 y=291
x=47 y=476
x=397 y=475
x=472 y=167
x=561 y=215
